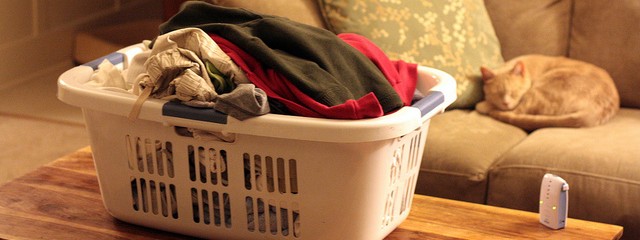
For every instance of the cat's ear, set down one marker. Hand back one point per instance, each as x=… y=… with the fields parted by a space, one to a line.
x=518 y=69
x=486 y=73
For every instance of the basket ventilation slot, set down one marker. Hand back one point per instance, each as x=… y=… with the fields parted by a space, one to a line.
x=269 y=174
x=154 y=197
x=211 y=207
x=208 y=165
x=269 y=218
x=150 y=156
x=403 y=160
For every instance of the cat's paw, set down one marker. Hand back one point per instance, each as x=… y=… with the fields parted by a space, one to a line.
x=484 y=107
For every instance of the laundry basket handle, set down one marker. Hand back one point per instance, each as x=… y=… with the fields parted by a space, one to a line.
x=176 y=109
x=430 y=102
x=433 y=100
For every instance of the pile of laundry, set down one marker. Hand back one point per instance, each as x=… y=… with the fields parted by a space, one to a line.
x=246 y=64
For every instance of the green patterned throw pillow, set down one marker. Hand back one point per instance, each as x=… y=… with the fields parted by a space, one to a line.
x=455 y=36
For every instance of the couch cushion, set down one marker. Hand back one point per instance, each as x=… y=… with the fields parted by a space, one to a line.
x=304 y=11
x=600 y=164
x=454 y=36
x=525 y=27
x=461 y=147
x=607 y=33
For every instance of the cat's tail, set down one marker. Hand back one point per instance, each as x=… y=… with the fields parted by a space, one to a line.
x=530 y=122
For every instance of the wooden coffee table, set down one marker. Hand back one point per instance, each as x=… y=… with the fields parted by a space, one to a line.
x=62 y=201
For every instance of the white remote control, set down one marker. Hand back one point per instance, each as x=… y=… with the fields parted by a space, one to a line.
x=554 y=201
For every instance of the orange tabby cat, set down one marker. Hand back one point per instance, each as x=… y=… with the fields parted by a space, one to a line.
x=535 y=91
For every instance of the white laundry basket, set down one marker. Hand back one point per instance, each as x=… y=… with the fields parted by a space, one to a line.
x=278 y=177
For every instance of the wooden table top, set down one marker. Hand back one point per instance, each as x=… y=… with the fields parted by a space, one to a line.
x=62 y=201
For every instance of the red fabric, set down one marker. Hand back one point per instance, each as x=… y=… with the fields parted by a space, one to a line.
x=401 y=75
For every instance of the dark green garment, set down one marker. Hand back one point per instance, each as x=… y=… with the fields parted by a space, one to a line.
x=315 y=60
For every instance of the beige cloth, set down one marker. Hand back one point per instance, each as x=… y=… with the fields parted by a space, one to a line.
x=179 y=56
x=175 y=69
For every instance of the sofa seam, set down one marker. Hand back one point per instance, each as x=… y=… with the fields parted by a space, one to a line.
x=486 y=188
x=495 y=165
x=592 y=175
x=572 y=13
x=473 y=177
x=501 y=158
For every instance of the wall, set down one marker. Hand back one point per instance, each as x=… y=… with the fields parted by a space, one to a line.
x=37 y=35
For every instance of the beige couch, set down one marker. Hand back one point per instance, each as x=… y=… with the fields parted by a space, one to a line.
x=474 y=158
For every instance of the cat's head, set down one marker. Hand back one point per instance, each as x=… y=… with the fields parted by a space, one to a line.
x=504 y=87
